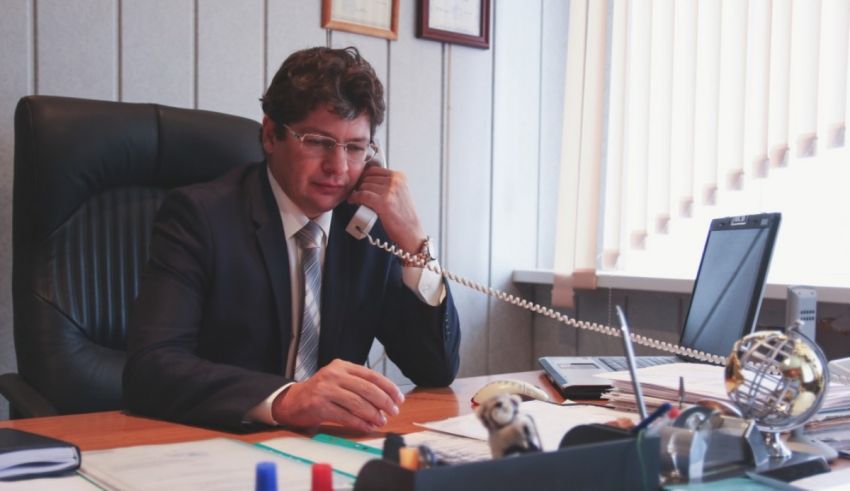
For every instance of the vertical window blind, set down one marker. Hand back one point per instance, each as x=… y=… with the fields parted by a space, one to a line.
x=680 y=111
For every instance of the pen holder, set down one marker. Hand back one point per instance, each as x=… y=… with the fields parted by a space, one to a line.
x=577 y=466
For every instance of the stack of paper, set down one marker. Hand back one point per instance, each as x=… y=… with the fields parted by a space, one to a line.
x=706 y=382
x=660 y=384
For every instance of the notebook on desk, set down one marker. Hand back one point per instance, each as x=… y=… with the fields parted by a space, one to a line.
x=724 y=306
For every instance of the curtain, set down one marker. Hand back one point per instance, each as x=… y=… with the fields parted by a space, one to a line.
x=680 y=111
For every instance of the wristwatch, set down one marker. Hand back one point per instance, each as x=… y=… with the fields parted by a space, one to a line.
x=422 y=257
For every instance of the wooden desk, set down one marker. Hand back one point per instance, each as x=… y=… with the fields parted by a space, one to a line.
x=112 y=429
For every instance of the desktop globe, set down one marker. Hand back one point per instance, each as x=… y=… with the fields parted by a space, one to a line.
x=778 y=380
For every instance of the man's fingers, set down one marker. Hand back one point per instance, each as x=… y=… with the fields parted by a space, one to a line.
x=374 y=187
x=375 y=170
x=383 y=383
x=368 y=400
x=369 y=394
x=368 y=198
x=338 y=414
x=359 y=406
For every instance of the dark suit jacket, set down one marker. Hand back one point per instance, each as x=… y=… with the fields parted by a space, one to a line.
x=210 y=329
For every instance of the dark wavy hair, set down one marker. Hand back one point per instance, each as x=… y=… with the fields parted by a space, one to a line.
x=313 y=77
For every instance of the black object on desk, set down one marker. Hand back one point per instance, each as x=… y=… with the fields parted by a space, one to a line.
x=25 y=454
x=392 y=445
x=615 y=460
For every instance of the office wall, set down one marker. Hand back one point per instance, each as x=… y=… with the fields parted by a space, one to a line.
x=476 y=131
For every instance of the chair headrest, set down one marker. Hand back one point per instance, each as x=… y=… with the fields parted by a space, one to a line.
x=67 y=150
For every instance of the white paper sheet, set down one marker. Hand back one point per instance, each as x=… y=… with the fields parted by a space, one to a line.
x=832 y=481
x=450 y=448
x=347 y=460
x=216 y=464
x=552 y=420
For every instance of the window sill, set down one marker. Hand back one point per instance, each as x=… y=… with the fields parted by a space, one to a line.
x=624 y=281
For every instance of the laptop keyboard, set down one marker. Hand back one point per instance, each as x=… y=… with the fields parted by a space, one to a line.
x=617 y=363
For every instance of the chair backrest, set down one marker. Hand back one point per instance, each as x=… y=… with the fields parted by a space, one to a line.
x=89 y=177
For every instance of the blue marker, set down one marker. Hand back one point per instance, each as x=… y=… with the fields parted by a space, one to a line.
x=266 y=479
x=661 y=411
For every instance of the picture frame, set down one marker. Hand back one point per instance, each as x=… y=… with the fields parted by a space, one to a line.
x=370 y=17
x=465 y=22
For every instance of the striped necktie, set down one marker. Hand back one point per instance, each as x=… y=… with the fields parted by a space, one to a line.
x=309 y=238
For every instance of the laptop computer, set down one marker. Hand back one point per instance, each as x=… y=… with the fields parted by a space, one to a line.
x=724 y=306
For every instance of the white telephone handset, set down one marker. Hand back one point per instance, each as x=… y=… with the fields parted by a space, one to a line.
x=364 y=218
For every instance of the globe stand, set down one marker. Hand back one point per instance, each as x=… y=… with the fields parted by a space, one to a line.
x=801 y=442
x=773 y=458
x=776 y=448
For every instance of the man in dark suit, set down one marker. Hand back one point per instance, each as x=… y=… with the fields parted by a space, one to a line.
x=257 y=306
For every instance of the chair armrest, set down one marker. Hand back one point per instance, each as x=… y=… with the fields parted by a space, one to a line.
x=24 y=400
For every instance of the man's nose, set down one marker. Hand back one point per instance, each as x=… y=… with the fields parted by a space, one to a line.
x=336 y=161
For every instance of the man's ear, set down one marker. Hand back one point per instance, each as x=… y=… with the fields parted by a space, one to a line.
x=269 y=135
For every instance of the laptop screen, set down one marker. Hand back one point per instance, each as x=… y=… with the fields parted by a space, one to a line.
x=730 y=282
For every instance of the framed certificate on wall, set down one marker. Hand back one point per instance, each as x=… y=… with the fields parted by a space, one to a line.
x=371 y=17
x=455 y=21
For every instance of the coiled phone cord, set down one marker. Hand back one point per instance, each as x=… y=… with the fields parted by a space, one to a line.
x=547 y=311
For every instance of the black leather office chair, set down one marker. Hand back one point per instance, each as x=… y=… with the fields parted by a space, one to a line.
x=89 y=176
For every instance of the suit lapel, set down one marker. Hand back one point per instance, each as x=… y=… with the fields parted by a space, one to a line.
x=272 y=243
x=335 y=284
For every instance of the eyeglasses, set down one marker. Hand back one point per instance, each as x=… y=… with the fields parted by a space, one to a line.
x=321 y=146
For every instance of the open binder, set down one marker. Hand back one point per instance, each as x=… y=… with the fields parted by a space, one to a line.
x=591 y=457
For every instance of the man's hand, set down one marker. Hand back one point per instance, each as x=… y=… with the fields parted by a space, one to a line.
x=386 y=192
x=341 y=392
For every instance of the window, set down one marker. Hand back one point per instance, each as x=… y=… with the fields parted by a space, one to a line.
x=680 y=111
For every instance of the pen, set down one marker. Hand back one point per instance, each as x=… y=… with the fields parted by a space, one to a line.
x=681 y=391
x=661 y=411
x=630 y=359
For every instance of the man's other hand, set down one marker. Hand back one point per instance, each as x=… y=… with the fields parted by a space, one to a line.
x=341 y=392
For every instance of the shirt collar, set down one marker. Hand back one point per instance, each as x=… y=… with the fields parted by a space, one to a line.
x=293 y=218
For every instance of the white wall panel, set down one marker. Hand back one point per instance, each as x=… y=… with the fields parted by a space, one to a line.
x=158 y=51
x=291 y=25
x=16 y=56
x=230 y=56
x=551 y=336
x=516 y=154
x=414 y=117
x=414 y=121
x=468 y=138
x=553 y=54
x=77 y=48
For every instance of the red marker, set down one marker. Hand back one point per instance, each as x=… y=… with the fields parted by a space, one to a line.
x=322 y=477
